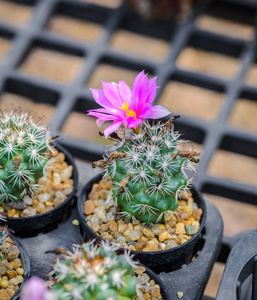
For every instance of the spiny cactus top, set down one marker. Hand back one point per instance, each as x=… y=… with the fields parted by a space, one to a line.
x=147 y=165
x=23 y=147
x=91 y=272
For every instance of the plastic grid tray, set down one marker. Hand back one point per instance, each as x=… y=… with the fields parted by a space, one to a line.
x=75 y=97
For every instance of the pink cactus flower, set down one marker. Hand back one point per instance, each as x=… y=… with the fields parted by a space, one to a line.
x=123 y=106
x=34 y=289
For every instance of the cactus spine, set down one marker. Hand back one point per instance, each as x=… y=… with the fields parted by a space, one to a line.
x=91 y=272
x=23 y=147
x=148 y=171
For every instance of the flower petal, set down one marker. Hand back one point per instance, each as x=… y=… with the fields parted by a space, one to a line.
x=110 y=111
x=111 y=91
x=134 y=123
x=139 y=92
x=102 y=116
x=100 y=98
x=113 y=127
x=125 y=92
x=152 y=91
x=34 y=289
x=155 y=112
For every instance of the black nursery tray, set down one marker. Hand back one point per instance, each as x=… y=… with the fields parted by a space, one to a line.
x=32 y=38
x=191 y=279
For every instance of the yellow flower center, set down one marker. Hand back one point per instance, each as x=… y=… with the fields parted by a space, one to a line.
x=129 y=112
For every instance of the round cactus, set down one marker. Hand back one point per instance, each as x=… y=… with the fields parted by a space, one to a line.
x=24 y=143
x=148 y=171
x=91 y=272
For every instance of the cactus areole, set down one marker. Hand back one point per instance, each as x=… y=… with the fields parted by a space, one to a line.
x=24 y=144
x=147 y=162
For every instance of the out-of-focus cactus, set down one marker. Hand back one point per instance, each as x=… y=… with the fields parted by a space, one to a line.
x=163 y=9
x=24 y=143
x=91 y=272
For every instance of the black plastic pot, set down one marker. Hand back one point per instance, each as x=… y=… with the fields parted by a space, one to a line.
x=45 y=222
x=166 y=260
x=24 y=257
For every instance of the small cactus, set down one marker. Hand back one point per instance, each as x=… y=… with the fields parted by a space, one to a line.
x=91 y=272
x=147 y=163
x=148 y=171
x=24 y=143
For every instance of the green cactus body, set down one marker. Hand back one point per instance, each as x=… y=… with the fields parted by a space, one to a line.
x=149 y=172
x=23 y=147
x=91 y=272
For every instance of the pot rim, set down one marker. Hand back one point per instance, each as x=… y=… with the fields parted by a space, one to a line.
x=70 y=196
x=87 y=188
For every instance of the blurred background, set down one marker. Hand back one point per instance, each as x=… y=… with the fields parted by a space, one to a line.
x=204 y=53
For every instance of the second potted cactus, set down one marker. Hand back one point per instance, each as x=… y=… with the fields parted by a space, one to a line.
x=30 y=192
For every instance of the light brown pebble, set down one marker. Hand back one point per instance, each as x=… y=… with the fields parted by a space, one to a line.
x=29 y=212
x=197 y=214
x=48 y=203
x=147 y=296
x=19 y=278
x=122 y=228
x=43 y=197
x=191 y=220
x=60 y=158
x=14 y=264
x=66 y=173
x=2 y=269
x=13 y=281
x=113 y=225
x=182 y=202
x=180 y=295
x=95 y=226
x=6 y=294
x=132 y=248
x=180 y=228
x=20 y=271
x=11 y=274
x=171 y=223
x=103 y=228
x=89 y=207
x=148 y=232
x=134 y=235
x=4 y=283
x=164 y=236
x=140 y=245
x=13 y=252
x=35 y=203
x=40 y=207
x=158 y=228
x=139 y=270
x=11 y=213
x=151 y=247
x=182 y=215
x=196 y=225
x=170 y=244
x=156 y=292
x=75 y=222
x=18 y=261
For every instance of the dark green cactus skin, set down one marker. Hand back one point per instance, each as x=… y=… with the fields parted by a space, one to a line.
x=154 y=171
x=95 y=273
x=23 y=145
